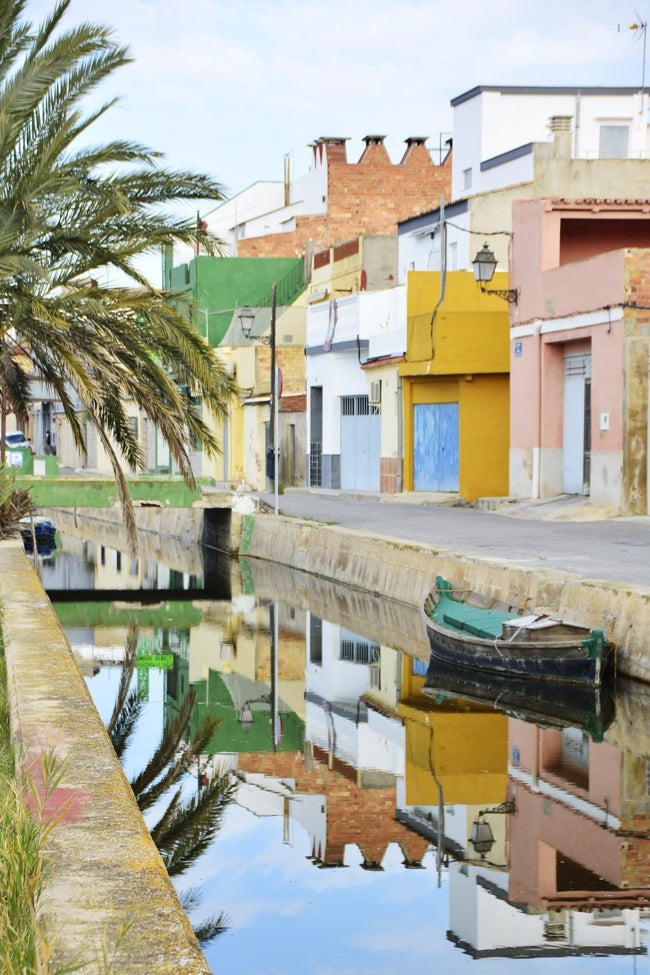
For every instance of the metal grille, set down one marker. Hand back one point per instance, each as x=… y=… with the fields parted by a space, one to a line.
x=359 y=406
x=358 y=650
x=315 y=465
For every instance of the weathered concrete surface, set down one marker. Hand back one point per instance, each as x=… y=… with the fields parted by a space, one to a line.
x=404 y=571
x=169 y=536
x=104 y=872
x=166 y=533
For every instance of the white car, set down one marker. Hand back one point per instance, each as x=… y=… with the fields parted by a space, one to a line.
x=17 y=439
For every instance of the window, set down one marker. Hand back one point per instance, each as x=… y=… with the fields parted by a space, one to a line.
x=357 y=650
x=467 y=178
x=614 y=141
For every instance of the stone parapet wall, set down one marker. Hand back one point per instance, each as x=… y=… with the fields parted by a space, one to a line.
x=106 y=893
x=405 y=571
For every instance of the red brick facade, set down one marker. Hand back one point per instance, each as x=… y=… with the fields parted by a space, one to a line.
x=355 y=816
x=367 y=197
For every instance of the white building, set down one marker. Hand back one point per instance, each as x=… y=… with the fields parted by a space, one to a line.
x=344 y=418
x=524 y=142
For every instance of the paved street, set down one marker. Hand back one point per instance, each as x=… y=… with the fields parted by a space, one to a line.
x=615 y=549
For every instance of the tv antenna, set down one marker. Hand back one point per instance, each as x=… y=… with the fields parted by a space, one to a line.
x=640 y=28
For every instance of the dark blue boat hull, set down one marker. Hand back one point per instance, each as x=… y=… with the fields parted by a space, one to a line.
x=571 y=667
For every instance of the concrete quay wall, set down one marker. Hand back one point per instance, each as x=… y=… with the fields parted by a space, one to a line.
x=405 y=571
x=106 y=892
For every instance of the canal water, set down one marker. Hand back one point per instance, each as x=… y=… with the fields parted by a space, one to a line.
x=384 y=814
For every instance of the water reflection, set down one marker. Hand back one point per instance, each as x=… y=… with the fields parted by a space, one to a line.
x=472 y=823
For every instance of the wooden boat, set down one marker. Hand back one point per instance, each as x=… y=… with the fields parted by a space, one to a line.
x=469 y=630
x=546 y=704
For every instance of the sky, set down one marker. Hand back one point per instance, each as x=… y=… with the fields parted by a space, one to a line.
x=231 y=87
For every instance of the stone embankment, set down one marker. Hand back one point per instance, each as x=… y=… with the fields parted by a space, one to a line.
x=404 y=571
x=107 y=902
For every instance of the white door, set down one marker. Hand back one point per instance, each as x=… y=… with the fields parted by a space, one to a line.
x=576 y=444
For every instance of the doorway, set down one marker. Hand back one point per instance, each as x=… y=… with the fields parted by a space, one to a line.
x=576 y=425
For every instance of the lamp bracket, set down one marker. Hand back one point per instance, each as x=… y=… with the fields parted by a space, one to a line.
x=511 y=295
x=505 y=807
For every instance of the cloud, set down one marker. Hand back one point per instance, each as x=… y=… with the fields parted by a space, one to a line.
x=231 y=87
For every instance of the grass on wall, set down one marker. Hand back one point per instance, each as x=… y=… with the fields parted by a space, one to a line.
x=20 y=859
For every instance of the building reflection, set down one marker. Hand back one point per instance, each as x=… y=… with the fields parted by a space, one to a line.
x=540 y=827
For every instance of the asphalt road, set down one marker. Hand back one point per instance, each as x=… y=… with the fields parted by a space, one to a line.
x=616 y=550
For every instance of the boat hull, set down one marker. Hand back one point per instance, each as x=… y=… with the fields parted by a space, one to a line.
x=553 y=665
x=577 y=655
x=43 y=531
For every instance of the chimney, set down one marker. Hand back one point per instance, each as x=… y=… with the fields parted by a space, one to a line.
x=334 y=147
x=375 y=149
x=287 y=181
x=560 y=126
x=414 y=146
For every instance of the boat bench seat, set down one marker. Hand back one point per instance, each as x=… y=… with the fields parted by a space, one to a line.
x=477 y=622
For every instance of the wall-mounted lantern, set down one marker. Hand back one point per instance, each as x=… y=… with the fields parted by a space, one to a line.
x=485 y=264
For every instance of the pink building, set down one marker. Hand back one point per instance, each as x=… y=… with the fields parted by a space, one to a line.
x=580 y=339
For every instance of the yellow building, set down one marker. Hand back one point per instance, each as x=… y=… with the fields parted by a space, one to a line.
x=456 y=752
x=455 y=386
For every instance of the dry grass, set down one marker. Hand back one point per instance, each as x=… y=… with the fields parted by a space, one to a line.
x=20 y=860
x=15 y=503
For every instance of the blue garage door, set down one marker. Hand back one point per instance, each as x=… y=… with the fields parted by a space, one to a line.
x=435 y=447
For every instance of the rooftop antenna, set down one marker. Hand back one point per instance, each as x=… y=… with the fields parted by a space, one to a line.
x=640 y=29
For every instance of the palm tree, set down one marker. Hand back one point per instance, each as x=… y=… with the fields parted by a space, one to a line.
x=69 y=210
x=186 y=826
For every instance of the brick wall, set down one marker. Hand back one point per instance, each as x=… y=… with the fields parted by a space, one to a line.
x=355 y=816
x=367 y=197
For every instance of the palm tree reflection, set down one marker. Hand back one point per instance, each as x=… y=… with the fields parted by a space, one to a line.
x=187 y=826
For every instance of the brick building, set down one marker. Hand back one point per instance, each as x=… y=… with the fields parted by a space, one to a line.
x=333 y=204
x=350 y=199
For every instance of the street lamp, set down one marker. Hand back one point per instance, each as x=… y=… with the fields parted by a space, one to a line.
x=481 y=836
x=485 y=264
x=246 y=319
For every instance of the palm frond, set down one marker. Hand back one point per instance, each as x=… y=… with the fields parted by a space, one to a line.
x=168 y=749
x=182 y=760
x=15 y=503
x=188 y=827
x=209 y=928
x=67 y=211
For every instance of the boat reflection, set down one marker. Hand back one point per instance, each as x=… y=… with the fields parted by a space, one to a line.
x=551 y=704
x=534 y=811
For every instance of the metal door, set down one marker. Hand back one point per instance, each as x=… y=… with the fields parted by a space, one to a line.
x=435 y=447
x=576 y=424
x=360 y=443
